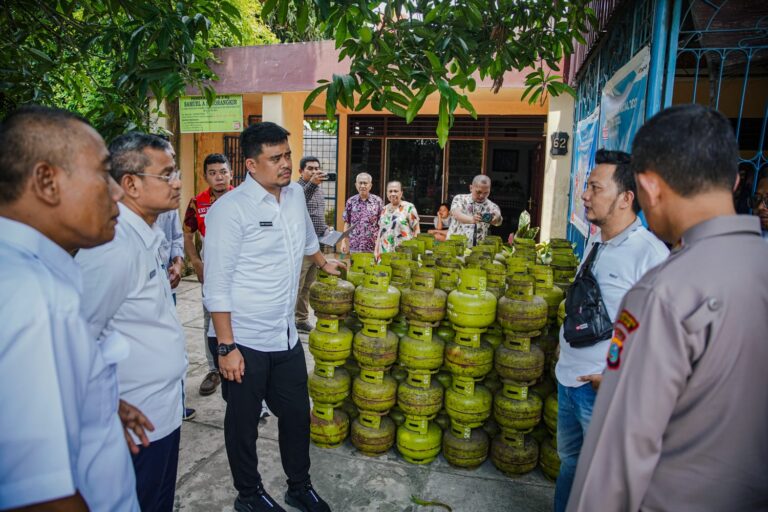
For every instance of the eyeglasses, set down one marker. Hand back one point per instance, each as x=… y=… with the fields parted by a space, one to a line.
x=175 y=175
x=756 y=200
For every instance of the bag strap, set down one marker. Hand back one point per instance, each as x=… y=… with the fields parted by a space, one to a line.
x=590 y=258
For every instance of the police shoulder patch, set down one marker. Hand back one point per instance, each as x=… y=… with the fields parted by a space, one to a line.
x=613 y=360
x=627 y=320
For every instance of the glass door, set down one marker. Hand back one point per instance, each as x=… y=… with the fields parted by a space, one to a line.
x=418 y=165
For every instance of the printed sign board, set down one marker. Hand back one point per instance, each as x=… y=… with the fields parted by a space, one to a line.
x=225 y=115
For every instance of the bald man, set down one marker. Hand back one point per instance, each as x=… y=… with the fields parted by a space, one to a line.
x=62 y=444
x=474 y=213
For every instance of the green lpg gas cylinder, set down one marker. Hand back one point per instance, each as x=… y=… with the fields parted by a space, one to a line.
x=328 y=385
x=520 y=310
x=549 y=460
x=375 y=298
x=550 y=413
x=514 y=454
x=468 y=361
x=420 y=397
x=419 y=447
x=374 y=391
x=516 y=410
x=420 y=350
x=467 y=402
x=331 y=295
x=422 y=302
x=546 y=289
x=471 y=305
x=330 y=342
x=513 y=362
x=375 y=346
x=373 y=435
x=465 y=447
x=328 y=427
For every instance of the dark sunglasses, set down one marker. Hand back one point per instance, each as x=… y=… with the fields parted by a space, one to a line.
x=755 y=201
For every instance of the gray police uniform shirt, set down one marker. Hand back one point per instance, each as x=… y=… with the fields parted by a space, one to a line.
x=681 y=418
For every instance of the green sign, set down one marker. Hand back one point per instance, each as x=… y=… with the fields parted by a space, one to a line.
x=225 y=115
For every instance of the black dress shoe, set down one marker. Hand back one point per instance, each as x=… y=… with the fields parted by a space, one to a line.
x=306 y=499
x=259 y=502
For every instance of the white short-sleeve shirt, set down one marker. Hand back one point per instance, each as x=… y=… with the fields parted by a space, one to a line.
x=620 y=263
x=254 y=249
x=59 y=429
x=126 y=290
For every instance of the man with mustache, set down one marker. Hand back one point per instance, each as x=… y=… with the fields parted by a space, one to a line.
x=258 y=235
x=127 y=294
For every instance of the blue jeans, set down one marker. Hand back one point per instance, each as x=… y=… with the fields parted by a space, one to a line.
x=574 y=412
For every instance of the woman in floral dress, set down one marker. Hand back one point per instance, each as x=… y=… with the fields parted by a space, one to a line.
x=399 y=221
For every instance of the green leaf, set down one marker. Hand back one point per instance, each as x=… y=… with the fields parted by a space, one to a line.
x=465 y=103
x=313 y=96
x=433 y=60
x=303 y=17
x=442 y=122
x=415 y=105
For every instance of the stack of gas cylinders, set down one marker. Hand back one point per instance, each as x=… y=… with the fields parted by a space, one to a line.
x=438 y=349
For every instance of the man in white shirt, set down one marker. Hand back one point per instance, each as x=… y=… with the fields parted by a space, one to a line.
x=257 y=237
x=625 y=251
x=61 y=442
x=127 y=294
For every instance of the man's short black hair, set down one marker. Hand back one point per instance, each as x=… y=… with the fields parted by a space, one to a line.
x=623 y=175
x=693 y=149
x=126 y=153
x=215 y=158
x=258 y=134
x=304 y=161
x=32 y=134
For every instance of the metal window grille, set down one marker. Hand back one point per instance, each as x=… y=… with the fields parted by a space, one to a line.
x=235 y=155
x=721 y=48
x=321 y=139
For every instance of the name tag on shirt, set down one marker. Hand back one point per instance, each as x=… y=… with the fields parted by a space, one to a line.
x=152 y=274
x=265 y=224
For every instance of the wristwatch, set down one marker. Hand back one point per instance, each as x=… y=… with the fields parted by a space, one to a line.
x=224 y=349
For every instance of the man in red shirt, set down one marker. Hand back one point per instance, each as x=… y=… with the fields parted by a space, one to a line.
x=218 y=177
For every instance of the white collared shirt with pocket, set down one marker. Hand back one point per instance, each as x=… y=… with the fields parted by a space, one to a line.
x=254 y=250
x=59 y=428
x=126 y=290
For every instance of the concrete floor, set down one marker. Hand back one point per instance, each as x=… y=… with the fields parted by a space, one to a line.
x=346 y=479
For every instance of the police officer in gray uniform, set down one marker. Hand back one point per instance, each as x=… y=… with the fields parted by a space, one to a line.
x=681 y=418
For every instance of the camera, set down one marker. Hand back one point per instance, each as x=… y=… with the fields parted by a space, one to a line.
x=330 y=176
x=487 y=217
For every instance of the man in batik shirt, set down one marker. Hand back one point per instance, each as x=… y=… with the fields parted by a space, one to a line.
x=362 y=211
x=474 y=212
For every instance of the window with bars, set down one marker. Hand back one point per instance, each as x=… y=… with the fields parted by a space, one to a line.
x=321 y=140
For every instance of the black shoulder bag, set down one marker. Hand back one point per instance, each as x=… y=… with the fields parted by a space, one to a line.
x=587 y=320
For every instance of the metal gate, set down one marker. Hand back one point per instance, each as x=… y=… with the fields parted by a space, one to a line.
x=719 y=53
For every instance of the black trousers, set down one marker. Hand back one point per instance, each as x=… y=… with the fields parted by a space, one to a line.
x=155 y=468
x=280 y=378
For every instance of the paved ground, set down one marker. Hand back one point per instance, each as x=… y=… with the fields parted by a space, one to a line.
x=347 y=480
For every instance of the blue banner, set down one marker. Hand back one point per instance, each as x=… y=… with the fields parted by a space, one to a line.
x=622 y=105
x=584 y=147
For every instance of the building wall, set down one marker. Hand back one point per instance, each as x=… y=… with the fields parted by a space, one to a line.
x=557 y=170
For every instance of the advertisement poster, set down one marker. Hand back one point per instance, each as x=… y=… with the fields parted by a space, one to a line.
x=225 y=115
x=585 y=142
x=622 y=105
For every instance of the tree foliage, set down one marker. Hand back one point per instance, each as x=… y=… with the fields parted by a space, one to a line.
x=402 y=51
x=104 y=58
